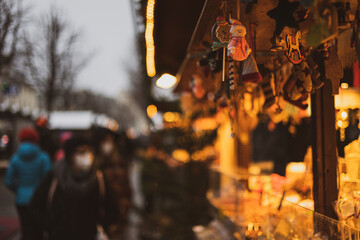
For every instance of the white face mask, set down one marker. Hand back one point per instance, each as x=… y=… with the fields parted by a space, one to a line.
x=107 y=148
x=84 y=161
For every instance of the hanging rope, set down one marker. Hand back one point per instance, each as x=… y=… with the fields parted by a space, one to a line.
x=223 y=7
x=238 y=9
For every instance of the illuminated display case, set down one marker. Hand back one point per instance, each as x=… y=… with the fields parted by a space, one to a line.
x=271 y=214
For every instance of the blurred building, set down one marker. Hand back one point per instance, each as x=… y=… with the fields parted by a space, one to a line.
x=19 y=106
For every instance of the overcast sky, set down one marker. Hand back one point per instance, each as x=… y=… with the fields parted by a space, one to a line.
x=107 y=29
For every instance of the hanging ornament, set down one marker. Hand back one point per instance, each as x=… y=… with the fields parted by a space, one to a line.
x=231 y=74
x=334 y=69
x=278 y=79
x=211 y=60
x=197 y=88
x=267 y=86
x=317 y=81
x=220 y=33
x=298 y=86
x=299 y=82
x=238 y=47
x=223 y=91
x=250 y=71
x=284 y=16
x=293 y=43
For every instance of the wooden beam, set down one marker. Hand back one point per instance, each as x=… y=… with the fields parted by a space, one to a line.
x=202 y=32
x=325 y=188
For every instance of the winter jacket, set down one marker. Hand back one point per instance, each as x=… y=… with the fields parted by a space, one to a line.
x=28 y=166
x=68 y=216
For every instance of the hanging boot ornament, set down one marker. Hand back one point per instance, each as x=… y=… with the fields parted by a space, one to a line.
x=250 y=71
x=267 y=87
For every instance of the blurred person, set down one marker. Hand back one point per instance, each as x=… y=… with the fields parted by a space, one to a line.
x=116 y=169
x=28 y=166
x=74 y=200
x=47 y=141
x=60 y=153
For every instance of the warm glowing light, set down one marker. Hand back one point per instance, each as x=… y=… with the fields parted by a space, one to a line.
x=149 y=39
x=206 y=123
x=340 y=123
x=344 y=115
x=113 y=125
x=296 y=167
x=348 y=98
x=293 y=198
x=166 y=81
x=151 y=111
x=171 y=117
x=181 y=155
x=131 y=133
x=344 y=86
x=295 y=171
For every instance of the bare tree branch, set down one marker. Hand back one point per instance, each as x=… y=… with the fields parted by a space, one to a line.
x=11 y=17
x=55 y=66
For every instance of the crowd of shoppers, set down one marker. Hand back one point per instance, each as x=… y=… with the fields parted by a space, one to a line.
x=80 y=192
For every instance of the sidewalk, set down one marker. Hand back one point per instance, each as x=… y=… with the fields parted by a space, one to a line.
x=9 y=225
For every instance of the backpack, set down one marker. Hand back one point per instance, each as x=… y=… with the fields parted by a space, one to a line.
x=101 y=235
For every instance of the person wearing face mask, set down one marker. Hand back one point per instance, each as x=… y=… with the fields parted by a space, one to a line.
x=75 y=198
x=115 y=167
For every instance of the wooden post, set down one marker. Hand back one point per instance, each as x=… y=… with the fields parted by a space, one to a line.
x=243 y=154
x=324 y=150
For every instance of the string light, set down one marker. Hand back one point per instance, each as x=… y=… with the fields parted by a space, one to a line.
x=344 y=86
x=149 y=39
x=151 y=111
x=166 y=81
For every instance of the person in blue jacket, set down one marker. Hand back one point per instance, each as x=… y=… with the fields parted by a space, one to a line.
x=28 y=166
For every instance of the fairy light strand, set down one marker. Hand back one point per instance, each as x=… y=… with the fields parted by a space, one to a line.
x=149 y=39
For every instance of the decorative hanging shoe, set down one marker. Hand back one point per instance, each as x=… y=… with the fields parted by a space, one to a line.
x=250 y=72
x=268 y=91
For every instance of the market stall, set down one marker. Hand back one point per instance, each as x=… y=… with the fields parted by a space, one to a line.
x=282 y=61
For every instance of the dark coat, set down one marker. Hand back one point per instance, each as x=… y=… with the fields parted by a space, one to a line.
x=71 y=217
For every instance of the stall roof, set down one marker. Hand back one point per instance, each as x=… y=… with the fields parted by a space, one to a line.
x=72 y=120
x=175 y=22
